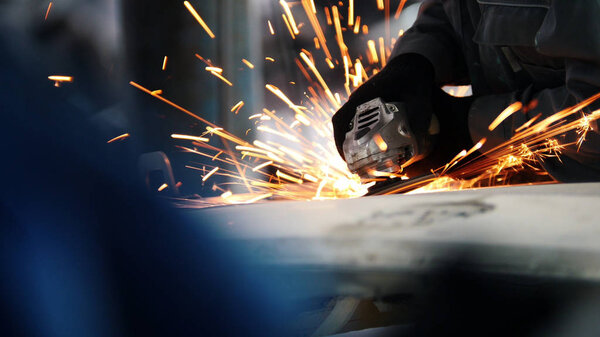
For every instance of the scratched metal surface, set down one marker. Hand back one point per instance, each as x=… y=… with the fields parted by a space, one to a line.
x=548 y=231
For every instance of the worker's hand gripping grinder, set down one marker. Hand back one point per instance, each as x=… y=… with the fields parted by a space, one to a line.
x=388 y=122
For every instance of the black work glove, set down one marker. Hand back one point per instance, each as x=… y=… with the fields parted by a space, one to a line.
x=406 y=78
x=454 y=136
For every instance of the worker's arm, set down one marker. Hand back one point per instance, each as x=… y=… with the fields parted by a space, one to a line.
x=571 y=31
x=434 y=37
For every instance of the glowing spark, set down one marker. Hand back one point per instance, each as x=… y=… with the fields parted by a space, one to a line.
x=199 y=19
x=270 y=59
x=372 y=52
x=357 y=25
x=214 y=69
x=528 y=123
x=222 y=78
x=328 y=16
x=307 y=176
x=164 y=65
x=382 y=51
x=213 y=171
x=288 y=177
x=329 y=63
x=516 y=106
x=162 y=187
x=351 y=13
x=121 y=137
x=261 y=166
x=48 y=11
x=288 y=13
x=271 y=27
x=187 y=137
x=237 y=107
x=287 y=23
x=248 y=64
x=58 y=79
x=399 y=10
x=380 y=5
x=226 y=195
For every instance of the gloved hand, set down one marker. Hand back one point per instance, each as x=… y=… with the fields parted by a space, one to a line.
x=406 y=78
x=454 y=136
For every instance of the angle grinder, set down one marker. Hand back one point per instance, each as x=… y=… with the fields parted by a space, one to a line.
x=380 y=139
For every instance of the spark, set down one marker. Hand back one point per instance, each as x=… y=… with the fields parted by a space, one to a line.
x=59 y=79
x=288 y=177
x=121 y=137
x=48 y=11
x=221 y=77
x=236 y=108
x=290 y=17
x=163 y=187
x=289 y=26
x=263 y=165
x=213 y=171
x=372 y=52
x=270 y=59
x=248 y=63
x=399 y=10
x=351 y=13
x=187 y=137
x=199 y=19
x=271 y=27
x=226 y=195
x=164 y=65
x=516 y=106
x=357 y=25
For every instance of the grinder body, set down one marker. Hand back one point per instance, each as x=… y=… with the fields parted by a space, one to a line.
x=380 y=139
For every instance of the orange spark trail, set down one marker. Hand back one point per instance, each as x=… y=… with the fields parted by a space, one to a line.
x=271 y=27
x=399 y=10
x=59 y=79
x=48 y=11
x=516 y=106
x=236 y=108
x=186 y=137
x=123 y=136
x=164 y=65
x=248 y=63
x=213 y=171
x=199 y=19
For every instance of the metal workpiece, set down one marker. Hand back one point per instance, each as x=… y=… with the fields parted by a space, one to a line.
x=373 y=245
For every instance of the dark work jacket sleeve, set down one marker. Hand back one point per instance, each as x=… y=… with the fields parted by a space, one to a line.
x=434 y=37
x=570 y=31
